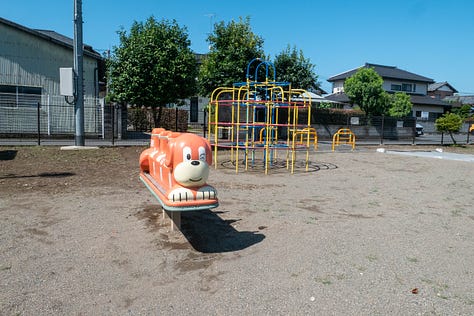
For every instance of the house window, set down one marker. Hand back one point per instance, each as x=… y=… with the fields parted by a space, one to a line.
x=17 y=96
x=407 y=87
x=422 y=115
x=396 y=87
x=193 y=110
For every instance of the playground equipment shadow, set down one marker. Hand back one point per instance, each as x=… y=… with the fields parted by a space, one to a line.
x=207 y=232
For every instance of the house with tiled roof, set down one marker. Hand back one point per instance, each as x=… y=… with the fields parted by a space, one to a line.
x=396 y=80
x=460 y=100
x=441 y=90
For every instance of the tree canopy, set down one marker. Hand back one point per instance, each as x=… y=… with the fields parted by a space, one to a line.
x=400 y=105
x=232 y=47
x=153 y=65
x=365 y=88
x=464 y=111
x=293 y=67
x=450 y=123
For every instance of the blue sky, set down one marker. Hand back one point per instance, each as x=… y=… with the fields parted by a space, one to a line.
x=432 y=38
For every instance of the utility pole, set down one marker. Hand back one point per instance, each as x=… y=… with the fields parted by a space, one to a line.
x=78 y=51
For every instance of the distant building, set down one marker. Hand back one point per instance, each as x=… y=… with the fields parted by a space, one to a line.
x=29 y=74
x=30 y=61
x=440 y=90
x=460 y=100
x=396 y=80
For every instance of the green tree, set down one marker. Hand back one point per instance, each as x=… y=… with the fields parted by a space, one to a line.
x=450 y=123
x=365 y=88
x=232 y=47
x=464 y=111
x=153 y=66
x=400 y=105
x=293 y=67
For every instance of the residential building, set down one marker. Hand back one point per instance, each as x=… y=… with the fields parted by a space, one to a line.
x=440 y=90
x=416 y=86
x=460 y=100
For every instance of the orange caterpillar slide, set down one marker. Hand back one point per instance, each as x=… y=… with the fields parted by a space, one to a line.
x=175 y=169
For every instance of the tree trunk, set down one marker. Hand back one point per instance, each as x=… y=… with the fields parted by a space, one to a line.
x=452 y=137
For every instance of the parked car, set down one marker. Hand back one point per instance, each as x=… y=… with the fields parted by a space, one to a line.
x=419 y=129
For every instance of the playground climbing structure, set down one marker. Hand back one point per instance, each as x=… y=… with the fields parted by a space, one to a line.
x=261 y=122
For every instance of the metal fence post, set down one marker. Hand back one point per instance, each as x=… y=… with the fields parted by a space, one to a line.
x=176 y=118
x=204 y=128
x=38 y=123
x=381 y=133
x=112 y=108
x=467 y=140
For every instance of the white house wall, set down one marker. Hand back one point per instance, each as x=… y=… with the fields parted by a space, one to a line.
x=28 y=60
x=421 y=88
x=338 y=86
x=428 y=108
x=445 y=88
x=202 y=103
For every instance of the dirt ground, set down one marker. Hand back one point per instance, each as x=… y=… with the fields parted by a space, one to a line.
x=362 y=233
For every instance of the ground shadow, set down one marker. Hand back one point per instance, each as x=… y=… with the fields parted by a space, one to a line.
x=209 y=233
x=280 y=166
x=42 y=175
x=8 y=154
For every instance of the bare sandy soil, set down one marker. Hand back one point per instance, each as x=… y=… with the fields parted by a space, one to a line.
x=363 y=233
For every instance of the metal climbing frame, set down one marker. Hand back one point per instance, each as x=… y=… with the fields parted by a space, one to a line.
x=259 y=119
x=343 y=136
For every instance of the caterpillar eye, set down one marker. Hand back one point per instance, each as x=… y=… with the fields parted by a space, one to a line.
x=202 y=154
x=187 y=154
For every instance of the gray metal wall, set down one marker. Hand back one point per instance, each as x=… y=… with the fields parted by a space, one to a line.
x=29 y=60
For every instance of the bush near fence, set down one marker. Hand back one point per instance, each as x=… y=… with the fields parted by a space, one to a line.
x=140 y=119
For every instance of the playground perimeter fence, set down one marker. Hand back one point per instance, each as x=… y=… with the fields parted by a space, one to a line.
x=50 y=117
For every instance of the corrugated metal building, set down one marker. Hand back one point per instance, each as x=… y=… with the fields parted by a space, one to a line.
x=29 y=73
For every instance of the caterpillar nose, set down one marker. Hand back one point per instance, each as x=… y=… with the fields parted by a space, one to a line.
x=195 y=162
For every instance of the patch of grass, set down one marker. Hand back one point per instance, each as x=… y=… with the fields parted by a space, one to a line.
x=444 y=297
x=328 y=279
x=438 y=288
x=411 y=259
x=372 y=258
x=325 y=280
x=427 y=281
x=374 y=203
